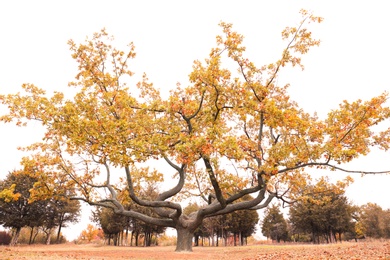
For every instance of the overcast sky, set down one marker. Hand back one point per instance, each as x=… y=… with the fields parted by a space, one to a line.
x=351 y=63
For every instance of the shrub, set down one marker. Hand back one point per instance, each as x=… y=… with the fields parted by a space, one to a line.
x=5 y=238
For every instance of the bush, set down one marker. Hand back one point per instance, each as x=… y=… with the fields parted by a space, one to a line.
x=5 y=238
x=165 y=240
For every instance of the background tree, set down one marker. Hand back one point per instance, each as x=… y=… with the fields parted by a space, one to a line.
x=19 y=209
x=112 y=224
x=386 y=223
x=226 y=135
x=242 y=224
x=65 y=212
x=274 y=226
x=90 y=233
x=323 y=211
x=16 y=211
x=57 y=214
x=374 y=221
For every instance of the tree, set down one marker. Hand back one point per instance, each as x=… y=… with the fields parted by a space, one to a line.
x=274 y=225
x=242 y=224
x=323 y=210
x=67 y=211
x=112 y=224
x=16 y=211
x=58 y=213
x=90 y=233
x=19 y=209
x=226 y=135
x=374 y=221
x=386 y=223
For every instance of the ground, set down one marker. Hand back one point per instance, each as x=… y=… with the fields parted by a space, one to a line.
x=360 y=250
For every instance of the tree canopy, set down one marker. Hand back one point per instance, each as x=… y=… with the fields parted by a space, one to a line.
x=19 y=209
x=323 y=211
x=232 y=132
x=274 y=225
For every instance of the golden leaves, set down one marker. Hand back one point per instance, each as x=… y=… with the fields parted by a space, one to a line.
x=349 y=128
x=240 y=120
x=9 y=195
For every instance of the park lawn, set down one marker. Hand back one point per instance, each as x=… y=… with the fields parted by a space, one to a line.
x=347 y=250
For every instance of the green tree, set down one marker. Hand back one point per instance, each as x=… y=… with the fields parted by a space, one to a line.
x=322 y=211
x=58 y=213
x=274 y=226
x=16 y=211
x=65 y=211
x=242 y=116
x=112 y=224
x=242 y=224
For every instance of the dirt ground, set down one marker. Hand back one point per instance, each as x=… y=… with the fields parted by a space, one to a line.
x=360 y=250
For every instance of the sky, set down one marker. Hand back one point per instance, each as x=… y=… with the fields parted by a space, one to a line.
x=351 y=62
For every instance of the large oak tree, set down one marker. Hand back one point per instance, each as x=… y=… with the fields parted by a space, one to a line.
x=232 y=132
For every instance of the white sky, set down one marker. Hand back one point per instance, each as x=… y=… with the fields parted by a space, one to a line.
x=351 y=63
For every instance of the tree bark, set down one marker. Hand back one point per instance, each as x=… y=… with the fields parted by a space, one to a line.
x=58 y=233
x=48 y=237
x=31 y=235
x=136 y=238
x=15 y=236
x=184 y=240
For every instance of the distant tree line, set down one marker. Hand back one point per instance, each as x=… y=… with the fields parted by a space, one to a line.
x=326 y=216
x=116 y=229
x=321 y=214
x=230 y=229
x=44 y=216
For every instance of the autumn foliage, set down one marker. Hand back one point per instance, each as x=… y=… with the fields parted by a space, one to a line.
x=233 y=131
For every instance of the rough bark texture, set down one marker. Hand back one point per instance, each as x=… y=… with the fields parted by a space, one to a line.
x=184 y=240
x=15 y=237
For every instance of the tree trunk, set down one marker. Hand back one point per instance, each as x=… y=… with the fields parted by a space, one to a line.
x=58 y=234
x=136 y=238
x=31 y=235
x=35 y=235
x=184 y=240
x=48 y=238
x=127 y=237
x=15 y=236
x=196 y=240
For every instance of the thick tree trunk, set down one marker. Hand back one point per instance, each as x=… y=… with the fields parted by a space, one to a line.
x=184 y=240
x=15 y=237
